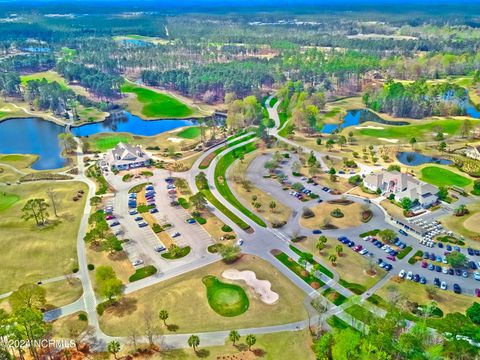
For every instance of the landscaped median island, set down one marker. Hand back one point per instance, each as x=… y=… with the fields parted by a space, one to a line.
x=204 y=188
x=298 y=269
x=222 y=184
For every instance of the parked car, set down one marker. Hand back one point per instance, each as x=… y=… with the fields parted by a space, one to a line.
x=142 y=224
x=191 y=221
x=159 y=248
x=431 y=266
x=153 y=211
x=317 y=231
x=423 y=280
x=443 y=285
x=436 y=282
x=114 y=223
x=424 y=264
x=176 y=234
x=138 y=218
x=133 y=212
x=240 y=242
x=403 y=232
x=109 y=217
x=137 y=262
x=476 y=275
x=401 y=273
x=457 y=289
x=409 y=275
x=416 y=278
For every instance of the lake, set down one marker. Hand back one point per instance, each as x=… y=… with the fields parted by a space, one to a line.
x=33 y=136
x=414 y=158
x=356 y=117
x=40 y=137
x=131 y=124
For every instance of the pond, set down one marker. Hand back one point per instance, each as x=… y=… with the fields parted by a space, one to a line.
x=131 y=124
x=356 y=117
x=40 y=137
x=33 y=136
x=414 y=158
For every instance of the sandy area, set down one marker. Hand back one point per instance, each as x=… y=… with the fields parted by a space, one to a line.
x=473 y=223
x=260 y=287
x=175 y=140
x=369 y=127
x=5 y=109
x=394 y=141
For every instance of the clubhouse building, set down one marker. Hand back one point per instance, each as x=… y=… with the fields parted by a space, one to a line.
x=125 y=156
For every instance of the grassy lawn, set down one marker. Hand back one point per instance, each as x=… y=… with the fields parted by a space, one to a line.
x=442 y=177
x=90 y=114
x=60 y=327
x=236 y=173
x=61 y=293
x=225 y=299
x=8 y=111
x=467 y=226
x=421 y=131
x=274 y=346
x=19 y=161
x=155 y=105
x=392 y=209
x=185 y=298
x=29 y=253
x=190 y=133
x=7 y=200
x=103 y=142
x=301 y=272
x=222 y=185
x=448 y=301
x=118 y=261
x=351 y=266
x=50 y=76
x=351 y=218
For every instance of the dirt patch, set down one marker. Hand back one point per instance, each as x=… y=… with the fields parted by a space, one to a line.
x=352 y=216
x=473 y=223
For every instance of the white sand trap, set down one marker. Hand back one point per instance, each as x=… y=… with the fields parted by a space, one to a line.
x=261 y=287
x=369 y=127
x=175 y=140
x=5 y=109
x=394 y=141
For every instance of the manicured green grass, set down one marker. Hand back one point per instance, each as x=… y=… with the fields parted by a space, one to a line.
x=443 y=177
x=298 y=270
x=418 y=131
x=353 y=287
x=7 y=200
x=157 y=105
x=359 y=313
x=222 y=184
x=50 y=76
x=181 y=253
x=143 y=273
x=225 y=299
x=404 y=252
x=190 y=133
x=20 y=161
x=337 y=323
x=322 y=268
x=334 y=296
x=109 y=142
x=219 y=206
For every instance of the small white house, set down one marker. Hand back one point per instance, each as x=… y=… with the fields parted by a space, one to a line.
x=472 y=152
x=125 y=156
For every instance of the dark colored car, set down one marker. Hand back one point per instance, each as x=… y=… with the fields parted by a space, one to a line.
x=470 y=251
x=440 y=245
x=436 y=282
x=438 y=268
x=451 y=271
x=457 y=289
x=317 y=231
x=476 y=252
x=403 y=232
x=416 y=278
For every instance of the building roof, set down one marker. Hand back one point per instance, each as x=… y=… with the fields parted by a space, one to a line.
x=125 y=154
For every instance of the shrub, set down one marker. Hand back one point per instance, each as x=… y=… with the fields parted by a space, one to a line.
x=337 y=213
x=415 y=257
x=143 y=273
x=90 y=267
x=127 y=177
x=226 y=228
x=215 y=248
x=370 y=233
x=75 y=270
x=183 y=203
x=82 y=317
x=307 y=213
x=200 y=220
x=104 y=305
x=157 y=228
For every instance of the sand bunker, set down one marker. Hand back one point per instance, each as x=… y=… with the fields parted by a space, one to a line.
x=175 y=140
x=261 y=287
x=473 y=223
x=394 y=141
x=5 y=109
x=369 y=127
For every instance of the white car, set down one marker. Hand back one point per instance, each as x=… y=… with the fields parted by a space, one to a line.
x=401 y=273
x=137 y=262
x=240 y=242
x=409 y=275
x=445 y=270
x=363 y=252
x=443 y=285
x=476 y=275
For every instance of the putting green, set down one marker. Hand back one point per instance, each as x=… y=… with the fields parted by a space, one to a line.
x=225 y=299
x=7 y=200
x=109 y=142
x=190 y=133
x=442 y=177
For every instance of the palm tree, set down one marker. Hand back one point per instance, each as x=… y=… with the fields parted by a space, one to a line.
x=321 y=242
x=272 y=206
x=163 y=315
x=251 y=340
x=332 y=258
x=193 y=342
x=234 y=336
x=257 y=206
x=339 y=250
x=113 y=347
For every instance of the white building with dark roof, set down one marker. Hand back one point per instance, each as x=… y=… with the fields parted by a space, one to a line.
x=125 y=156
x=402 y=186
